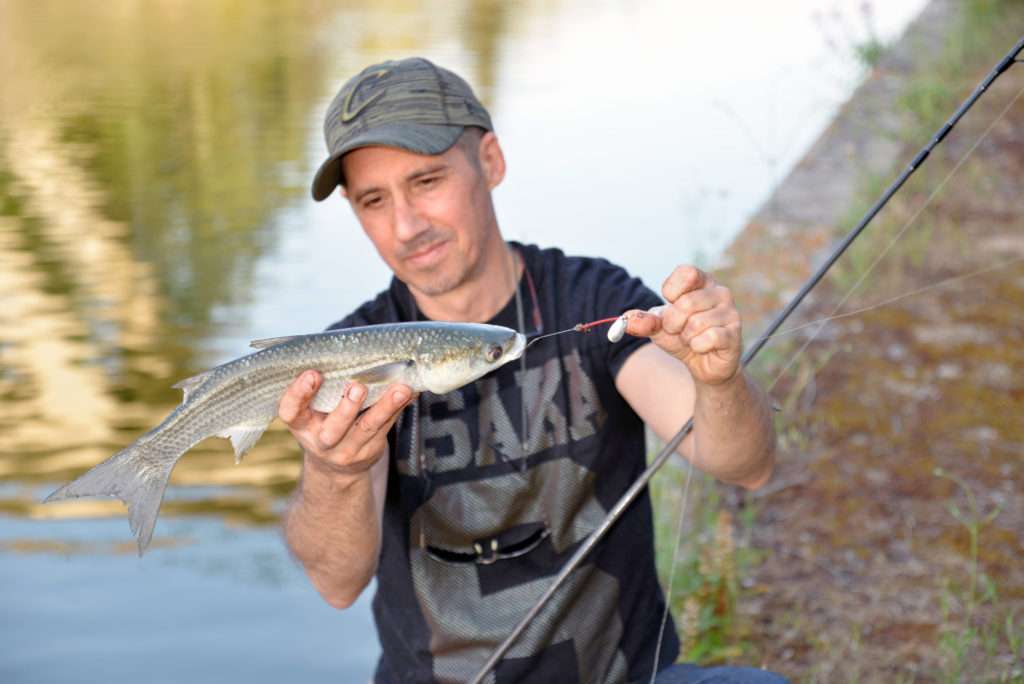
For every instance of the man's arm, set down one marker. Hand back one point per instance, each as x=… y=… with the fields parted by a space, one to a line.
x=694 y=369
x=333 y=522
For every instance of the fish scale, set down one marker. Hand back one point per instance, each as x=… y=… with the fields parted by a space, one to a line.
x=239 y=399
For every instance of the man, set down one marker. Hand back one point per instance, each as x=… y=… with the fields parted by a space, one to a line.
x=465 y=505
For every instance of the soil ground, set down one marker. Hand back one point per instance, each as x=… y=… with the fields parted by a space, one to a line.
x=902 y=427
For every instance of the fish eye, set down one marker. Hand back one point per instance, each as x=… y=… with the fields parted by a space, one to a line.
x=493 y=353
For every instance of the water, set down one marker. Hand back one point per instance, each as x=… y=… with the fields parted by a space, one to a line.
x=154 y=217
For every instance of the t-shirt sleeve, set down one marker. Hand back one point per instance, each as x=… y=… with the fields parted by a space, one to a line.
x=615 y=292
x=351 y=321
x=372 y=312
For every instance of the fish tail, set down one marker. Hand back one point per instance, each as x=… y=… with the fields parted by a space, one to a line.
x=137 y=476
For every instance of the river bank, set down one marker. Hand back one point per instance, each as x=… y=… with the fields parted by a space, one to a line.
x=893 y=533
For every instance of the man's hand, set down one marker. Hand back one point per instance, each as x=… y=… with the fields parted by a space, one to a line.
x=700 y=325
x=342 y=442
x=333 y=522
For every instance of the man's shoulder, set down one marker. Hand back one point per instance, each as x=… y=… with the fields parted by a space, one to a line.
x=380 y=309
x=554 y=259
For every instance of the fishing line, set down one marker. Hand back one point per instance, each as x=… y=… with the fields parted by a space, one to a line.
x=833 y=316
x=672 y=566
x=585 y=327
x=878 y=259
x=634 y=490
x=892 y=300
x=579 y=327
x=892 y=243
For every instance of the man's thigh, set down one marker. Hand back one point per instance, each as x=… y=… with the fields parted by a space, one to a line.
x=692 y=674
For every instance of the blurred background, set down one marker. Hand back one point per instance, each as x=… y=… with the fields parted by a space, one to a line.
x=155 y=160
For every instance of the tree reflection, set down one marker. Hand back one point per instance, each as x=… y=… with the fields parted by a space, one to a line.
x=146 y=149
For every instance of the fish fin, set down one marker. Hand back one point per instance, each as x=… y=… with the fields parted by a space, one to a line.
x=243 y=437
x=137 y=476
x=385 y=373
x=190 y=385
x=271 y=341
x=376 y=379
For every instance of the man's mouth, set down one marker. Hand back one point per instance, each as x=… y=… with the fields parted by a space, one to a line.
x=429 y=255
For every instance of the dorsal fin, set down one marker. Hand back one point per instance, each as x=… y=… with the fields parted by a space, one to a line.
x=271 y=341
x=190 y=385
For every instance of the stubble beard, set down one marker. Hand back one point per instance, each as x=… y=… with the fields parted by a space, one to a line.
x=442 y=284
x=436 y=282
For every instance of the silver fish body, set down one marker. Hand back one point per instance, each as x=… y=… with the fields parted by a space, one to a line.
x=239 y=399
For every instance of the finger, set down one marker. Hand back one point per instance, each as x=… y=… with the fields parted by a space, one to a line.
x=642 y=323
x=378 y=442
x=378 y=418
x=293 y=408
x=718 y=338
x=676 y=316
x=696 y=301
x=699 y=322
x=338 y=421
x=682 y=280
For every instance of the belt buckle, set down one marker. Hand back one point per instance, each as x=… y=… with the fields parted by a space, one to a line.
x=481 y=557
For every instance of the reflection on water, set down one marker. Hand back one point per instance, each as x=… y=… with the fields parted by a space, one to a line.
x=145 y=148
x=154 y=169
x=150 y=153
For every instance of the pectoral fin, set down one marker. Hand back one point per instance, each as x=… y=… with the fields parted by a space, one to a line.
x=376 y=379
x=386 y=373
x=243 y=437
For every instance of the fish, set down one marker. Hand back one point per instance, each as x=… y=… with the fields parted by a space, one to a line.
x=238 y=399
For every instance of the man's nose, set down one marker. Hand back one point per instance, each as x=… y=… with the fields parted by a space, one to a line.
x=409 y=222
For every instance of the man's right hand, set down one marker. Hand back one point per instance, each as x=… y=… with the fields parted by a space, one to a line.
x=337 y=537
x=341 y=442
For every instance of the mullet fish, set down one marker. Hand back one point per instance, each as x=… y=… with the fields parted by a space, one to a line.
x=238 y=400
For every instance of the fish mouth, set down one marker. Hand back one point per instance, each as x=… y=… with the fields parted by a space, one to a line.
x=518 y=347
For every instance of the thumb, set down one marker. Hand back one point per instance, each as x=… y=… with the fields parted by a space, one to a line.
x=644 y=323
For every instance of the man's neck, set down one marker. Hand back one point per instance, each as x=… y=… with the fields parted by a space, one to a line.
x=485 y=292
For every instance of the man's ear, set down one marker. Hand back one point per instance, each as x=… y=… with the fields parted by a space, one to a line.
x=342 y=191
x=492 y=159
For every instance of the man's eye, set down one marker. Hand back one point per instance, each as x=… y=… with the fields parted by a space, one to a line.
x=429 y=181
x=371 y=203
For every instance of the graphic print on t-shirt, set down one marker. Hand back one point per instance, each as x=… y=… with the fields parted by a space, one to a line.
x=481 y=513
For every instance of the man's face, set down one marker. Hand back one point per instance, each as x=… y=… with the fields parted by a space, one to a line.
x=428 y=216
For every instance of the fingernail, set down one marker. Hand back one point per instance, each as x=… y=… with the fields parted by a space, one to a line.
x=356 y=393
x=310 y=381
x=400 y=396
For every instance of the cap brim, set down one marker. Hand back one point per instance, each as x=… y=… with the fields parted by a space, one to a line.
x=418 y=138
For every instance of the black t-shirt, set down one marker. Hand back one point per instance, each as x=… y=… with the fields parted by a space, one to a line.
x=480 y=515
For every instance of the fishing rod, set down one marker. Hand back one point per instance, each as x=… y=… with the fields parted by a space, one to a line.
x=634 y=490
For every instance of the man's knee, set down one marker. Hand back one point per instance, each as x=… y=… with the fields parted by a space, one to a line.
x=693 y=674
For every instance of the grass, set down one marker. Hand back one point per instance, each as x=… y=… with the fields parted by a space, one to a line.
x=978 y=638
x=974 y=624
x=927 y=101
x=713 y=557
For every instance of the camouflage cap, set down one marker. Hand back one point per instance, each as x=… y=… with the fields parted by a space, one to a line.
x=411 y=103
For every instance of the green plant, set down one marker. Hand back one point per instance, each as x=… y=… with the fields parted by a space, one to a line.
x=705 y=578
x=971 y=615
x=869 y=51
